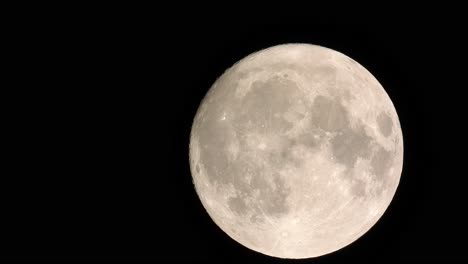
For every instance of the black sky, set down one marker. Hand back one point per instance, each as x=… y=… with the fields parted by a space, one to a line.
x=99 y=120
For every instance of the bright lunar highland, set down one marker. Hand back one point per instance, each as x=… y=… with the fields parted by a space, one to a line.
x=296 y=151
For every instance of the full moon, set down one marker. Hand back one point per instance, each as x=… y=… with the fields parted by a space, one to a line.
x=296 y=151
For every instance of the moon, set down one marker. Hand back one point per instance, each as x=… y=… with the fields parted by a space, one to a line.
x=296 y=151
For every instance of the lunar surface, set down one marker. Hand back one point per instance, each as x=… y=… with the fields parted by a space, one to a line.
x=296 y=151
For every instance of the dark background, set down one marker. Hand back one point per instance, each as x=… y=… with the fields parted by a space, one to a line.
x=99 y=114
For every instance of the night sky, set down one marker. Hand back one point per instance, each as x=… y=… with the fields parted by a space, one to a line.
x=99 y=116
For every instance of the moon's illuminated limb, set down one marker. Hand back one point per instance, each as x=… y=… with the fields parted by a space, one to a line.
x=296 y=151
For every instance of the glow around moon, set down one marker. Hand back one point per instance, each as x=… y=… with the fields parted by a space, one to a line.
x=296 y=151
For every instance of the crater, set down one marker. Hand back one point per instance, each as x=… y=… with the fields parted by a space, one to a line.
x=269 y=189
x=385 y=124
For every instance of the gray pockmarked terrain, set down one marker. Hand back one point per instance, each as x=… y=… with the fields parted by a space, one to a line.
x=296 y=151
